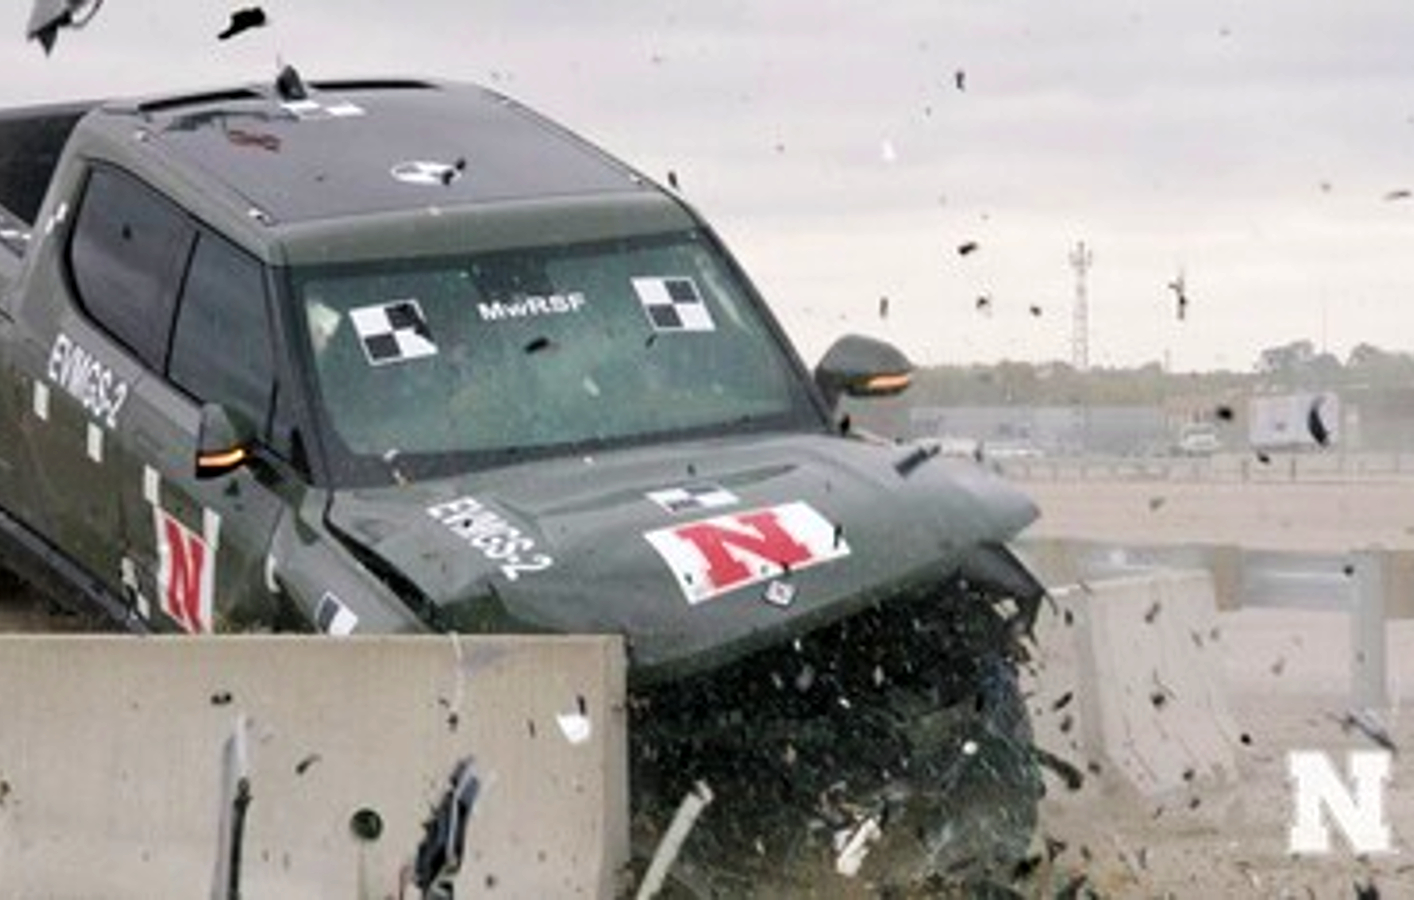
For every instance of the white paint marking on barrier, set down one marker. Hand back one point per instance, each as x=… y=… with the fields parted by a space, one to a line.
x=151 y=486
x=576 y=727
x=41 y=401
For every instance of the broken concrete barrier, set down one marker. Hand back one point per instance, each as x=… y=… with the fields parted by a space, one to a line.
x=282 y=767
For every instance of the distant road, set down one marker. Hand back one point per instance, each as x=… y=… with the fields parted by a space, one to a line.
x=1309 y=517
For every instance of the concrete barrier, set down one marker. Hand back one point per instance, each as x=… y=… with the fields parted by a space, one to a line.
x=152 y=768
x=1142 y=653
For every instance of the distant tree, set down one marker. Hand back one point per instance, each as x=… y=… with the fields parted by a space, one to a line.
x=1286 y=359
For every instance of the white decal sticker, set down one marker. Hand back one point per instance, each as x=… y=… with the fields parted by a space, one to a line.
x=495 y=538
x=79 y=374
x=151 y=486
x=531 y=306
x=693 y=497
x=393 y=332
x=313 y=110
x=673 y=304
x=41 y=401
x=331 y=616
x=425 y=173
x=95 y=443
x=713 y=556
x=186 y=573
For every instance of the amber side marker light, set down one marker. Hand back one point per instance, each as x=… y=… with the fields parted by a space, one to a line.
x=221 y=462
x=887 y=384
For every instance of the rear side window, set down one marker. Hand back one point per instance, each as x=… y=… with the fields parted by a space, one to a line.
x=129 y=248
x=221 y=348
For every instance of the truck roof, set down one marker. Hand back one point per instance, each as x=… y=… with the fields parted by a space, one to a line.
x=347 y=149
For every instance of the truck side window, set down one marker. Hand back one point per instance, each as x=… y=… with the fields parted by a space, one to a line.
x=129 y=247
x=221 y=344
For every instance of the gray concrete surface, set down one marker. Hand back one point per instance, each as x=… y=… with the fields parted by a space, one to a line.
x=111 y=763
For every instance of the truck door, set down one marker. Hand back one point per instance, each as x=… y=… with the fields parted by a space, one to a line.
x=196 y=549
x=90 y=325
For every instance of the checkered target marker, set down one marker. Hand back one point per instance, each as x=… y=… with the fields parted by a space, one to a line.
x=692 y=497
x=393 y=332
x=673 y=304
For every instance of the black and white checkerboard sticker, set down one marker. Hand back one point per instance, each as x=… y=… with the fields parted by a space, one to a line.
x=693 y=497
x=393 y=332
x=673 y=304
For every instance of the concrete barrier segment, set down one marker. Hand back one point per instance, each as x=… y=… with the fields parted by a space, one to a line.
x=1131 y=675
x=311 y=768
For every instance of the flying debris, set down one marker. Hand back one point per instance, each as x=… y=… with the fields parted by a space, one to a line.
x=883 y=307
x=244 y=20
x=959 y=79
x=1316 y=425
x=1035 y=310
x=1225 y=413
x=1180 y=295
x=1399 y=194
x=966 y=247
x=984 y=304
x=48 y=16
x=672 y=179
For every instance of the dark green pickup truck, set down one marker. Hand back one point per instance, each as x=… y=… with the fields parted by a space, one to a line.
x=393 y=356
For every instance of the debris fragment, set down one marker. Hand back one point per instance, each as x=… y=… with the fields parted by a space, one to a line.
x=1316 y=425
x=904 y=467
x=1156 y=503
x=304 y=765
x=1224 y=413
x=1070 y=775
x=1279 y=666
x=672 y=179
x=48 y=16
x=1399 y=194
x=984 y=304
x=221 y=698
x=959 y=79
x=668 y=848
x=1367 y=724
x=883 y=307
x=853 y=846
x=1367 y=891
x=1151 y=615
x=1180 y=295
x=1062 y=701
x=1035 y=310
x=538 y=344
x=243 y=20
x=1263 y=457
x=439 y=856
x=966 y=247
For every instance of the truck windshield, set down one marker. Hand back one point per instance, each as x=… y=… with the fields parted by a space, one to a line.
x=449 y=363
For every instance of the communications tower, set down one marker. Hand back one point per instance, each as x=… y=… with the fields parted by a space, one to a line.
x=1081 y=259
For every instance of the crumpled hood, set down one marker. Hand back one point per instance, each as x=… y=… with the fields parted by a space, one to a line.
x=697 y=553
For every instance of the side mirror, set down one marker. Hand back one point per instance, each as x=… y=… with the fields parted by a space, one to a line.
x=862 y=367
x=223 y=442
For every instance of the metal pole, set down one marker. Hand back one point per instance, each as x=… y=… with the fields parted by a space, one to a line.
x=1368 y=657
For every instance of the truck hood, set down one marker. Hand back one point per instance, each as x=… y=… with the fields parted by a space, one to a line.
x=696 y=553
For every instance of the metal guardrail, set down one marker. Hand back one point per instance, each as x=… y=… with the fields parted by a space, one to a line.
x=1338 y=465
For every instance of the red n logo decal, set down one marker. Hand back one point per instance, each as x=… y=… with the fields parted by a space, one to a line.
x=763 y=538
x=721 y=554
x=184 y=574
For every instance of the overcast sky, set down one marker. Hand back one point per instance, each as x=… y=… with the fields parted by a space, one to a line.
x=1249 y=145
